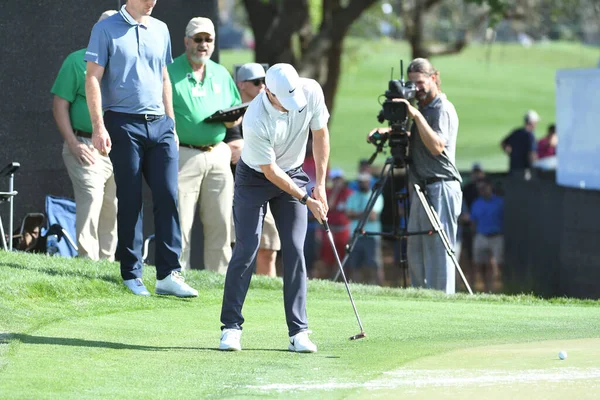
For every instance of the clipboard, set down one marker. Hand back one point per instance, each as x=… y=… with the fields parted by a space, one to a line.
x=228 y=114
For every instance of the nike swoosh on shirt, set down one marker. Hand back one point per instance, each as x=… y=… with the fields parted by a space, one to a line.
x=302 y=109
x=292 y=91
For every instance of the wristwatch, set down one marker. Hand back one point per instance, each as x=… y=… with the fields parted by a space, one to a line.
x=303 y=199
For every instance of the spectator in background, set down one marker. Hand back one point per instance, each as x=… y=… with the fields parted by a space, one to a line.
x=547 y=146
x=91 y=173
x=250 y=80
x=339 y=224
x=365 y=260
x=200 y=88
x=470 y=191
x=487 y=216
x=470 y=194
x=520 y=144
x=363 y=168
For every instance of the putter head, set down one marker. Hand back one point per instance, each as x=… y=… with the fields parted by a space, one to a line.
x=359 y=336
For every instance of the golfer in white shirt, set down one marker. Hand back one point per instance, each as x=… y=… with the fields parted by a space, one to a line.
x=276 y=127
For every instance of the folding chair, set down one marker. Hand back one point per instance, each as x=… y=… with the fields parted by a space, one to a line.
x=60 y=212
x=8 y=197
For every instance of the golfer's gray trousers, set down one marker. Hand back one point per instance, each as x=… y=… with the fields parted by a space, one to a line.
x=429 y=264
x=251 y=194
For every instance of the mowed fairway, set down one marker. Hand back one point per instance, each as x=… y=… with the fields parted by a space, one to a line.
x=70 y=330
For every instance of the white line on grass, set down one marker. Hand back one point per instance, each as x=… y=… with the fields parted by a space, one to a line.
x=446 y=377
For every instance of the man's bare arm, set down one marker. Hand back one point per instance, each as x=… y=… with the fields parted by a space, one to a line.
x=81 y=152
x=434 y=142
x=168 y=94
x=100 y=137
x=321 y=150
x=93 y=93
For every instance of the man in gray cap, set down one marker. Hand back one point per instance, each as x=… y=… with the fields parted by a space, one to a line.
x=250 y=80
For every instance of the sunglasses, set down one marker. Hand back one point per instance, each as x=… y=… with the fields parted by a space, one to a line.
x=257 y=82
x=202 y=40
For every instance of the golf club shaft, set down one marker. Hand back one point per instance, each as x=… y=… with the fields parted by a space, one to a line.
x=339 y=263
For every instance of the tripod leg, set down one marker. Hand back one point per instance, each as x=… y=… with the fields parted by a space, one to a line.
x=375 y=193
x=438 y=228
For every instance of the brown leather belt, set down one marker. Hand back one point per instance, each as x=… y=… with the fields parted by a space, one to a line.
x=207 y=147
x=77 y=132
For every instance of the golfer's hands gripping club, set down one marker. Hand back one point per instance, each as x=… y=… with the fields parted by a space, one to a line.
x=317 y=203
x=101 y=140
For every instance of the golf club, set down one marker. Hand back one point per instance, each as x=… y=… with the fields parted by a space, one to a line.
x=362 y=333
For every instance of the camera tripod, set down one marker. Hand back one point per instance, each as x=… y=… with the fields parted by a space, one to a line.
x=400 y=233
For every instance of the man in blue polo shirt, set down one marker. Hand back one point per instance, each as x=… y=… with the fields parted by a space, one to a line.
x=127 y=78
x=487 y=216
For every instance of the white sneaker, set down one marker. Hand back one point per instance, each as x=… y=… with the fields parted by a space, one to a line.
x=137 y=287
x=300 y=343
x=230 y=340
x=175 y=285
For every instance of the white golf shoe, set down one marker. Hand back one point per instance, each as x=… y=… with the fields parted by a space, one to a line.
x=230 y=340
x=137 y=287
x=300 y=343
x=175 y=285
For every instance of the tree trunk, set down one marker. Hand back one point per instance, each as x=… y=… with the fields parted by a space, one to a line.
x=275 y=22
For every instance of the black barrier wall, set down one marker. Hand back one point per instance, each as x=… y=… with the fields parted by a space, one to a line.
x=552 y=239
x=36 y=37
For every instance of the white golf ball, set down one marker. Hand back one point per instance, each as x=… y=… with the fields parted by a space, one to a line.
x=562 y=355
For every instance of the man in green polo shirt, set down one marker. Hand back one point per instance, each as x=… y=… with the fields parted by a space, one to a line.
x=200 y=88
x=91 y=173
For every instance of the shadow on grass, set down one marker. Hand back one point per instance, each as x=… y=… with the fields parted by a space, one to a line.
x=64 y=272
x=6 y=338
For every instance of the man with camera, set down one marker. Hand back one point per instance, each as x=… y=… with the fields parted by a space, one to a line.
x=432 y=147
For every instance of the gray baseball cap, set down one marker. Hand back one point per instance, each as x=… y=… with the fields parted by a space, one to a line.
x=250 y=71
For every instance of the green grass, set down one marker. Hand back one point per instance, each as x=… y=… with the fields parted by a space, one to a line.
x=70 y=329
x=490 y=98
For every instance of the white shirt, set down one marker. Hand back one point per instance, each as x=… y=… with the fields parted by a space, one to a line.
x=271 y=135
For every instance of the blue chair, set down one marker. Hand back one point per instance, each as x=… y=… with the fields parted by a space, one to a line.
x=60 y=213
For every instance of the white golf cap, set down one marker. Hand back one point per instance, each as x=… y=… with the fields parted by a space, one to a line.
x=106 y=14
x=199 y=25
x=250 y=71
x=532 y=116
x=283 y=81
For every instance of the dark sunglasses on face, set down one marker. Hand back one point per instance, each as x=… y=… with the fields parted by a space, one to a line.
x=258 y=82
x=202 y=40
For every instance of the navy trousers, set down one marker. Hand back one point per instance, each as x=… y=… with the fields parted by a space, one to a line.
x=251 y=194
x=145 y=148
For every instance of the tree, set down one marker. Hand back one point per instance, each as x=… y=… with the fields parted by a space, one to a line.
x=468 y=16
x=283 y=32
x=287 y=30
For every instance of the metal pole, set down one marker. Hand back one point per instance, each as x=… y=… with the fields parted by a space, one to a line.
x=11 y=215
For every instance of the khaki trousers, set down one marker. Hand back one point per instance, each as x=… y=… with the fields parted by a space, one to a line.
x=95 y=197
x=269 y=239
x=205 y=180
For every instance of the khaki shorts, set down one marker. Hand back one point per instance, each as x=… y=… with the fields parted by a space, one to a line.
x=485 y=247
x=269 y=239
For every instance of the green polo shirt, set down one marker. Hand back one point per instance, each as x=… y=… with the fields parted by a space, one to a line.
x=70 y=85
x=194 y=101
